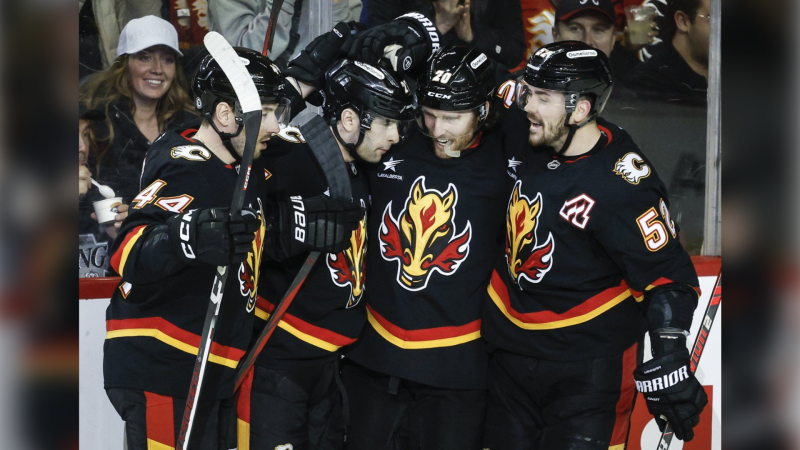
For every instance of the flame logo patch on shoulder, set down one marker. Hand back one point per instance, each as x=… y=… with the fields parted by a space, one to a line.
x=632 y=168
x=525 y=258
x=423 y=239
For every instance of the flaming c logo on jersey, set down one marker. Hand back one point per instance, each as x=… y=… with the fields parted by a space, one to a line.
x=347 y=267
x=525 y=258
x=423 y=238
x=248 y=270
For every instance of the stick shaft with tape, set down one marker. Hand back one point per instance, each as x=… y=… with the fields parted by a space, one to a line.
x=250 y=103
x=697 y=349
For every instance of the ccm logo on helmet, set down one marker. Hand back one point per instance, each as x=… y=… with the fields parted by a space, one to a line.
x=663 y=382
x=429 y=26
x=438 y=95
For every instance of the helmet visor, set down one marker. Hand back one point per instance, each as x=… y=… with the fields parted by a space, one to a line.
x=279 y=110
x=382 y=126
x=531 y=97
x=449 y=125
x=282 y=111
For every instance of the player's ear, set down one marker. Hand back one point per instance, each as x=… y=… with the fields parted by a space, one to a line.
x=349 y=120
x=582 y=110
x=224 y=114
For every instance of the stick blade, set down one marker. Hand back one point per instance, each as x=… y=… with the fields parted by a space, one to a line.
x=234 y=69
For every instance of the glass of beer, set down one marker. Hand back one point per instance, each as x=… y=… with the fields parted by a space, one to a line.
x=640 y=20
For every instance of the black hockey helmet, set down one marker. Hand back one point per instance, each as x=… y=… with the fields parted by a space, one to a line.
x=211 y=85
x=455 y=79
x=573 y=68
x=459 y=80
x=371 y=91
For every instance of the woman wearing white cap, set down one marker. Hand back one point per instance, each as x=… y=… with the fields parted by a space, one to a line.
x=143 y=93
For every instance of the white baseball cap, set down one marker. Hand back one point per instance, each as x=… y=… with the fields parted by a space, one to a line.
x=146 y=32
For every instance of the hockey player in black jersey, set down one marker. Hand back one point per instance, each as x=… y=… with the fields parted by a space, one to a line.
x=592 y=261
x=178 y=230
x=293 y=397
x=417 y=375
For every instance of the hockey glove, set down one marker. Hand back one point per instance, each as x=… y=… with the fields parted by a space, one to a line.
x=414 y=32
x=318 y=223
x=212 y=236
x=672 y=392
x=309 y=65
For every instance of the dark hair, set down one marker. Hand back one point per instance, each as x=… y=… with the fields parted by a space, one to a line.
x=689 y=7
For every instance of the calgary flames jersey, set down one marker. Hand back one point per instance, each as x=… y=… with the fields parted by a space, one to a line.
x=327 y=312
x=586 y=236
x=433 y=227
x=154 y=330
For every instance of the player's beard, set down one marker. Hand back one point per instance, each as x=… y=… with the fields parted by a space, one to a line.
x=552 y=133
x=239 y=141
x=457 y=144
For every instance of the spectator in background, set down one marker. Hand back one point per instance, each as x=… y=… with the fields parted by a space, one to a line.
x=664 y=109
x=92 y=238
x=142 y=94
x=244 y=23
x=678 y=70
x=87 y=193
x=596 y=23
x=492 y=27
x=539 y=20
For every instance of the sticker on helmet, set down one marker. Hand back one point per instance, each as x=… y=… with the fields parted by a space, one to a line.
x=407 y=63
x=581 y=54
x=372 y=70
x=245 y=61
x=478 y=61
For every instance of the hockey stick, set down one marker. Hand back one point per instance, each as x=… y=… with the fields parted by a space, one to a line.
x=330 y=160
x=697 y=349
x=250 y=103
x=273 y=18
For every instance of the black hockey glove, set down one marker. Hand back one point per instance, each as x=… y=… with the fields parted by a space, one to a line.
x=318 y=223
x=414 y=32
x=212 y=236
x=672 y=392
x=309 y=65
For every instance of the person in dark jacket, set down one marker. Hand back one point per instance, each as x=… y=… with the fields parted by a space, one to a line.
x=494 y=28
x=678 y=70
x=143 y=94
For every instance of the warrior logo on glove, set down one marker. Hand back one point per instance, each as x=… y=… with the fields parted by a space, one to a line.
x=347 y=267
x=423 y=238
x=525 y=258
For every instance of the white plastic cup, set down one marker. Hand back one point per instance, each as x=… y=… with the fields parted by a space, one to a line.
x=106 y=209
x=640 y=19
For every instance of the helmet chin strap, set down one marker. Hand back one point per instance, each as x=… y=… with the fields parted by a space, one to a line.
x=573 y=128
x=226 y=137
x=351 y=148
